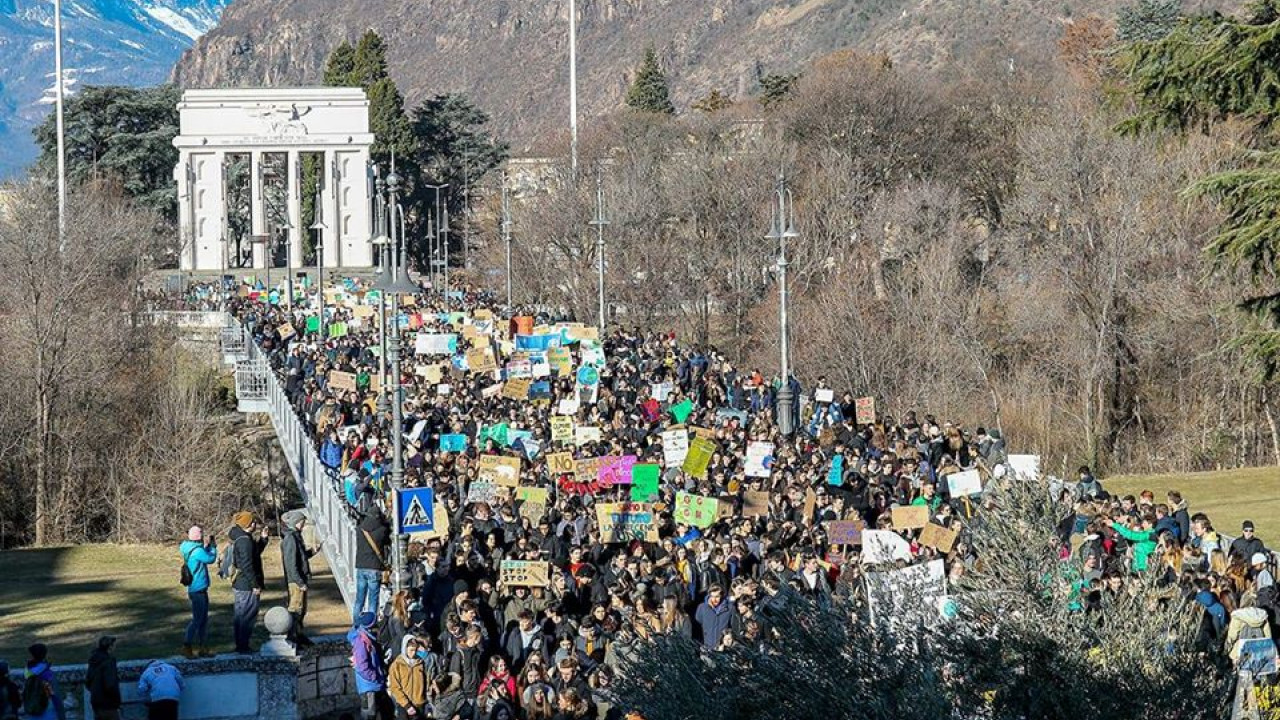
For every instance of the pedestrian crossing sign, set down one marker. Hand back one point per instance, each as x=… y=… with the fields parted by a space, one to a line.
x=416 y=508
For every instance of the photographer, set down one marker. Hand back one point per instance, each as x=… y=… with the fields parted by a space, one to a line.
x=198 y=553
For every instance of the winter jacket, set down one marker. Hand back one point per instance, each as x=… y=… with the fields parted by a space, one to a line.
x=1183 y=518
x=1213 y=609
x=1247 y=622
x=366 y=658
x=102 y=681
x=407 y=678
x=331 y=454
x=376 y=526
x=247 y=560
x=465 y=663
x=296 y=558
x=714 y=622
x=55 y=710
x=519 y=647
x=160 y=681
x=1144 y=543
x=1245 y=548
x=198 y=559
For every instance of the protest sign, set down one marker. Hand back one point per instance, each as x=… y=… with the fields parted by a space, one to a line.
x=908 y=594
x=532 y=494
x=696 y=510
x=644 y=482
x=363 y=311
x=524 y=573
x=337 y=330
x=616 y=470
x=660 y=391
x=480 y=491
x=453 y=442
x=435 y=344
x=584 y=434
x=865 y=410
x=286 y=331
x=516 y=389
x=1026 y=467
x=835 y=476
x=561 y=463
x=759 y=459
x=810 y=504
x=342 y=381
x=939 y=538
x=491 y=392
x=313 y=324
x=824 y=395
x=481 y=361
x=907 y=517
x=681 y=410
x=588 y=470
x=884 y=546
x=440 y=526
x=560 y=360
x=845 y=532
x=1256 y=655
x=568 y=407
x=500 y=470
x=540 y=391
x=537 y=343
x=532 y=510
x=624 y=522
x=561 y=429
x=964 y=484
x=755 y=503
x=430 y=374
x=701 y=432
x=699 y=457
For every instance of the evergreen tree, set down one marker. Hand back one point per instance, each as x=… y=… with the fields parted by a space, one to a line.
x=1205 y=69
x=339 y=70
x=714 y=102
x=370 y=60
x=365 y=66
x=1148 y=20
x=649 y=92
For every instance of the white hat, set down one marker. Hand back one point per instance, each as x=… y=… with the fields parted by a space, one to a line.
x=1258 y=559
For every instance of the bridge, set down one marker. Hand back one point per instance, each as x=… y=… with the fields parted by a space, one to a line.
x=258 y=390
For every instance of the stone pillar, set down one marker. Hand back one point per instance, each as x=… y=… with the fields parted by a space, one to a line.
x=329 y=199
x=353 y=208
x=203 y=210
x=186 y=201
x=257 y=208
x=294 y=201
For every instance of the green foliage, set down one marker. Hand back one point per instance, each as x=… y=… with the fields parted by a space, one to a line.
x=1148 y=20
x=339 y=69
x=121 y=132
x=369 y=63
x=365 y=66
x=714 y=102
x=775 y=88
x=650 y=92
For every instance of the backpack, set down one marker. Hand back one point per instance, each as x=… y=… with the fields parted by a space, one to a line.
x=186 y=577
x=226 y=566
x=35 y=696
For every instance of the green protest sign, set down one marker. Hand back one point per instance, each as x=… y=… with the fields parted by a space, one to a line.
x=337 y=330
x=313 y=324
x=644 y=482
x=699 y=457
x=696 y=510
x=681 y=411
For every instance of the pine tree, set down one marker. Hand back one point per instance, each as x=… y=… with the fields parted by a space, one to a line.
x=1148 y=20
x=339 y=70
x=714 y=102
x=649 y=92
x=370 y=61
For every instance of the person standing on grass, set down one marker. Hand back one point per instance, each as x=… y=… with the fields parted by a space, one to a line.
x=198 y=553
x=247 y=545
x=160 y=687
x=103 y=681
x=297 y=571
x=40 y=697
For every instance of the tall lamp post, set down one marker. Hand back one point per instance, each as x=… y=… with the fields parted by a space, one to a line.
x=395 y=283
x=506 y=235
x=59 y=91
x=783 y=228
x=573 y=87
x=319 y=227
x=598 y=223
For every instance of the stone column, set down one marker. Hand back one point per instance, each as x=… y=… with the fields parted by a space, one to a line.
x=293 y=190
x=355 y=210
x=257 y=207
x=329 y=198
x=186 y=201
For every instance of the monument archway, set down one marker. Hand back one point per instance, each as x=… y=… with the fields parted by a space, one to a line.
x=217 y=124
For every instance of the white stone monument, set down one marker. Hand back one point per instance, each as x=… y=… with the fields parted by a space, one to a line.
x=329 y=121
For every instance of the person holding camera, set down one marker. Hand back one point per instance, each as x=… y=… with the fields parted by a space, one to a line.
x=198 y=553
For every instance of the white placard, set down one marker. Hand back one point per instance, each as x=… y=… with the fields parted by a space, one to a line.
x=759 y=459
x=882 y=546
x=435 y=344
x=1026 y=467
x=964 y=484
x=825 y=395
x=675 y=446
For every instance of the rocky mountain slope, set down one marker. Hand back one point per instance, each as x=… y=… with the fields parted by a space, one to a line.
x=511 y=55
x=128 y=42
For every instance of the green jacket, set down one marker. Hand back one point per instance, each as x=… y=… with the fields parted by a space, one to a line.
x=1144 y=543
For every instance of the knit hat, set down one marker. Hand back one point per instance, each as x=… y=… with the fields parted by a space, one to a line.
x=243 y=519
x=195 y=534
x=38 y=652
x=366 y=620
x=1258 y=559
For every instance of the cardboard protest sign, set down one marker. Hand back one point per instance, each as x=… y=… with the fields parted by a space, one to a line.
x=675 y=447
x=759 y=459
x=440 y=525
x=584 y=434
x=500 y=470
x=810 y=504
x=701 y=432
x=588 y=469
x=524 y=573
x=561 y=429
x=644 y=482
x=560 y=360
x=532 y=510
x=964 y=484
x=699 y=457
x=865 y=410
x=696 y=510
x=755 y=503
x=481 y=361
x=342 y=381
x=845 y=532
x=532 y=494
x=908 y=517
x=286 y=331
x=485 y=492
x=363 y=311
x=561 y=463
x=430 y=374
x=516 y=389
x=624 y=522
x=937 y=537
x=616 y=470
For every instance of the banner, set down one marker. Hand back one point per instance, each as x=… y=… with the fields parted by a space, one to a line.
x=675 y=447
x=624 y=522
x=699 y=457
x=500 y=470
x=908 y=595
x=865 y=410
x=524 y=573
x=759 y=459
x=435 y=344
x=696 y=510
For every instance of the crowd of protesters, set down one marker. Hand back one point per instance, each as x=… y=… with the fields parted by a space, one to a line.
x=458 y=642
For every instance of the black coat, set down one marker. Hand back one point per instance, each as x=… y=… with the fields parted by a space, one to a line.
x=296 y=558
x=102 y=681
x=246 y=558
x=376 y=527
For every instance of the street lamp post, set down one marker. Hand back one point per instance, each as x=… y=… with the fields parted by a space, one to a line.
x=599 y=222
x=319 y=227
x=573 y=87
x=783 y=228
x=506 y=235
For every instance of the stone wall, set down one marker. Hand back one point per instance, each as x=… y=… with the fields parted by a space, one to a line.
x=234 y=687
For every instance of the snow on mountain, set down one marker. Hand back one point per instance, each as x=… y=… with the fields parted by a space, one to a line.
x=105 y=42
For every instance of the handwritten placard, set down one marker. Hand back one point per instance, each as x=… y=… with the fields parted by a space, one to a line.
x=500 y=470
x=524 y=573
x=561 y=463
x=342 y=381
x=910 y=516
x=696 y=510
x=845 y=532
x=624 y=522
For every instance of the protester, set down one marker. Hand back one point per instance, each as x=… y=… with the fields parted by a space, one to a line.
x=407 y=680
x=371 y=673
x=371 y=560
x=296 y=557
x=198 y=553
x=248 y=580
x=160 y=687
x=10 y=694
x=103 y=681
x=41 y=699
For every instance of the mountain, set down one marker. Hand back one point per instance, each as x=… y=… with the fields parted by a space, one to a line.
x=511 y=55
x=105 y=42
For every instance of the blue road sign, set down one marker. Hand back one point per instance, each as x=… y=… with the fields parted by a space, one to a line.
x=416 y=508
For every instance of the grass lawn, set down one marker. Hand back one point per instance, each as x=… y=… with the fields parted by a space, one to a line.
x=1228 y=497
x=67 y=597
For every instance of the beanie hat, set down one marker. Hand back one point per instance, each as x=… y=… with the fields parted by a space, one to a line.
x=38 y=652
x=366 y=620
x=243 y=519
x=195 y=534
